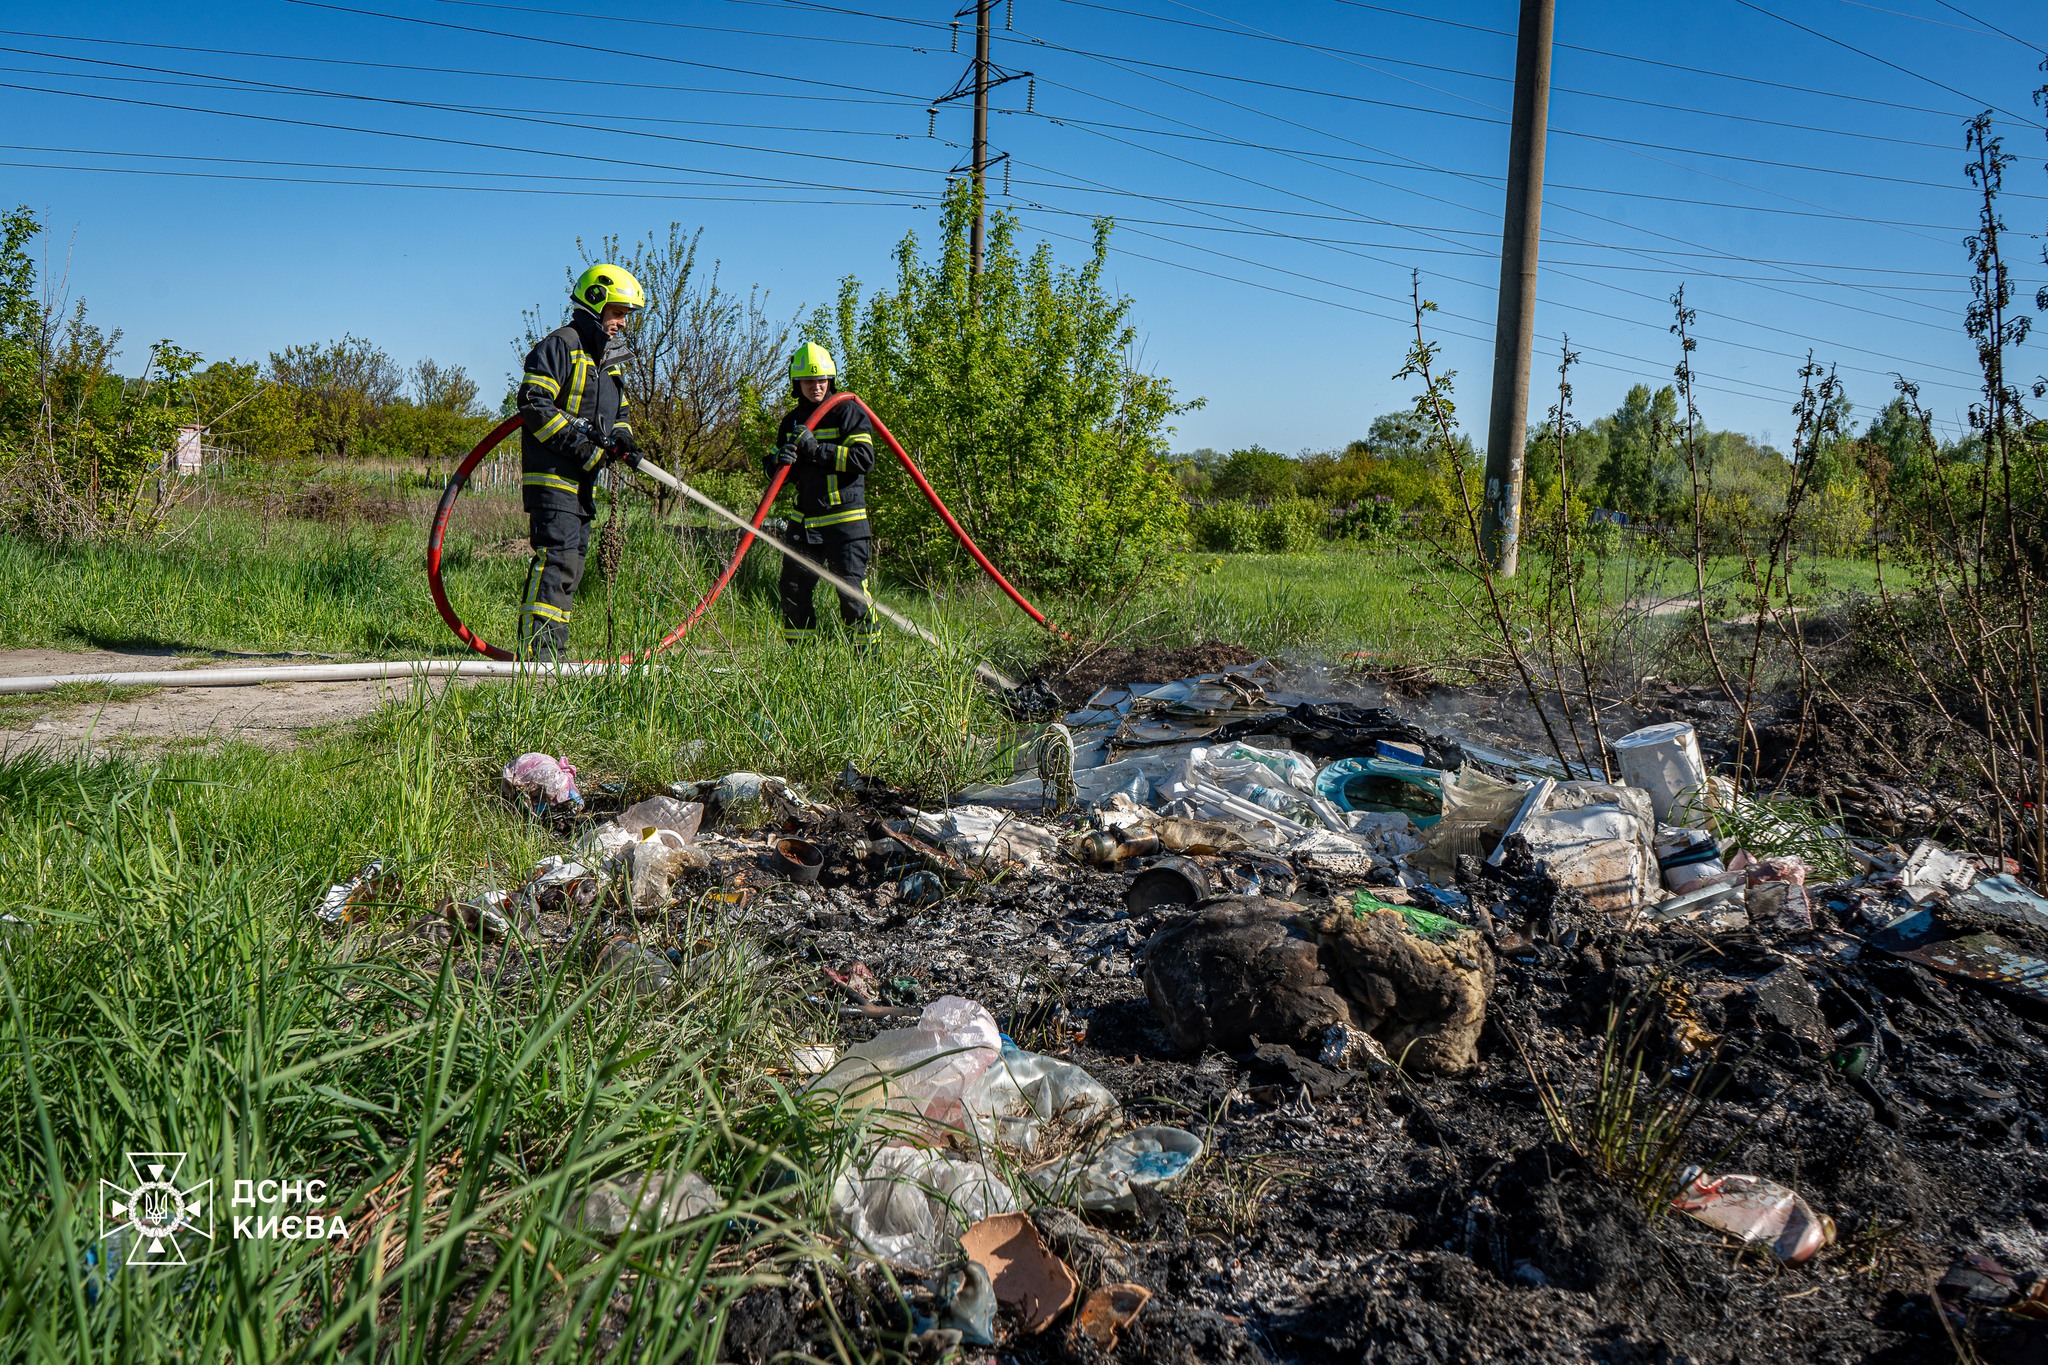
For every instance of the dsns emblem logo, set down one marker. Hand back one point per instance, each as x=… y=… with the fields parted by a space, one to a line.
x=153 y=1216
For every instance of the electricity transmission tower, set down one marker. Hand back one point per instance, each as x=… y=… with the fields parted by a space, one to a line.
x=980 y=77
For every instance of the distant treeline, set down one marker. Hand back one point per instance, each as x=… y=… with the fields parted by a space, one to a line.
x=1626 y=468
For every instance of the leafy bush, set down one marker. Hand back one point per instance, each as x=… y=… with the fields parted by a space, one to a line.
x=1291 y=526
x=1373 y=519
x=1016 y=394
x=83 y=450
x=1228 y=528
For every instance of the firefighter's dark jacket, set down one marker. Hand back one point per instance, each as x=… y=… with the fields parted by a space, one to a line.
x=831 y=486
x=573 y=372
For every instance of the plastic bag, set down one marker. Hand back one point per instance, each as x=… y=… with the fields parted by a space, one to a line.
x=646 y=1201
x=747 y=801
x=662 y=812
x=546 y=782
x=1104 y=1180
x=1387 y=833
x=1476 y=809
x=982 y=834
x=910 y=1206
x=1273 y=780
x=654 y=863
x=926 y=1071
x=1025 y=1090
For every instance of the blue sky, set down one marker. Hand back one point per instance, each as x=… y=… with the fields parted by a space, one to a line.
x=1277 y=171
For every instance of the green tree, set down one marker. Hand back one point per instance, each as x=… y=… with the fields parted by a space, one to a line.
x=1639 y=441
x=247 y=413
x=1017 y=395
x=1256 y=474
x=438 y=420
x=339 y=390
x=83 y=449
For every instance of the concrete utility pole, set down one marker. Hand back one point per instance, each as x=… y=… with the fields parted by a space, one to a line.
x=980 y=78
x=981 y=8
x=1521 y=227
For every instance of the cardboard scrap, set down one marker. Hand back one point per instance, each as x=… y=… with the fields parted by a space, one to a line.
x=1027 y=1277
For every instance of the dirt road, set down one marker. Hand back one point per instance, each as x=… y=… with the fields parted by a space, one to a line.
x=275 y=715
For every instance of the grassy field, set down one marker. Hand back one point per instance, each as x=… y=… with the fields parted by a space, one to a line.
x=167 y=990
x=235 y=579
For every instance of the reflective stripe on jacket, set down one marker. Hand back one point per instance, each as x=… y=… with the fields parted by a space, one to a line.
x=572 y=372
x=831 y=487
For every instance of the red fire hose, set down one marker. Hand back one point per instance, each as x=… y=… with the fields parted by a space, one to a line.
x=460 y=478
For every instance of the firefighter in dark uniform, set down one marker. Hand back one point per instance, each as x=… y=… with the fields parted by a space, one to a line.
x=575 y=420
x=829 y=469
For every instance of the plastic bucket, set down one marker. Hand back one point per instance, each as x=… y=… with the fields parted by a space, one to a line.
x=1664 y=760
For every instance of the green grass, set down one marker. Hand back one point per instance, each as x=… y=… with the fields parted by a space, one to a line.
x=232 y=580
x=171 y=993
x=235 y=579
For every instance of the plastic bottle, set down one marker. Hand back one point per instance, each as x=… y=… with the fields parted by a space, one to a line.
x=345 y=901
x=648 y=973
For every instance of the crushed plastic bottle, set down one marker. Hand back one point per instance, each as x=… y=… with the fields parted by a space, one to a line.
x=1756 y=1210
x=654 y=863
x=648 y=973
x=684 y=818
x=346 y=901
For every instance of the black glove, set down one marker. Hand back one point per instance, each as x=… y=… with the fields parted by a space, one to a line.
x=623 y=443
x=805 y=442
x=783 y=456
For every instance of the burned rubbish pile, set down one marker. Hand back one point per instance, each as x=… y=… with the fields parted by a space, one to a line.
x=1249 y=1026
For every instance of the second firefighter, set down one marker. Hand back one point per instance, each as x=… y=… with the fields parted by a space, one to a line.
x=829 y=468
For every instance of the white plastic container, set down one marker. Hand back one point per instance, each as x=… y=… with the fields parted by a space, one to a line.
x=1664 y=760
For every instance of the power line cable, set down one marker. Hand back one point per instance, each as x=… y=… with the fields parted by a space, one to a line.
x=1246 y=230
x=1919 y=18
x=613 y=53
x=903 y=102
x=1684 y=67
x=1632 y=146
x=533 y=118
x=471 y=110
x=677 y=24
x=1648 y=254
x=2003 y=33
x=1346 y=97
x=1754 y=394
x=904 y=198
x=325 y=126
x=1555 y=89
x=1691 y=201
x=1594 y=312
x=1881 y=61
x=1790 y=293
x=251 y=85
x=756 y=198
x=815 y=6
